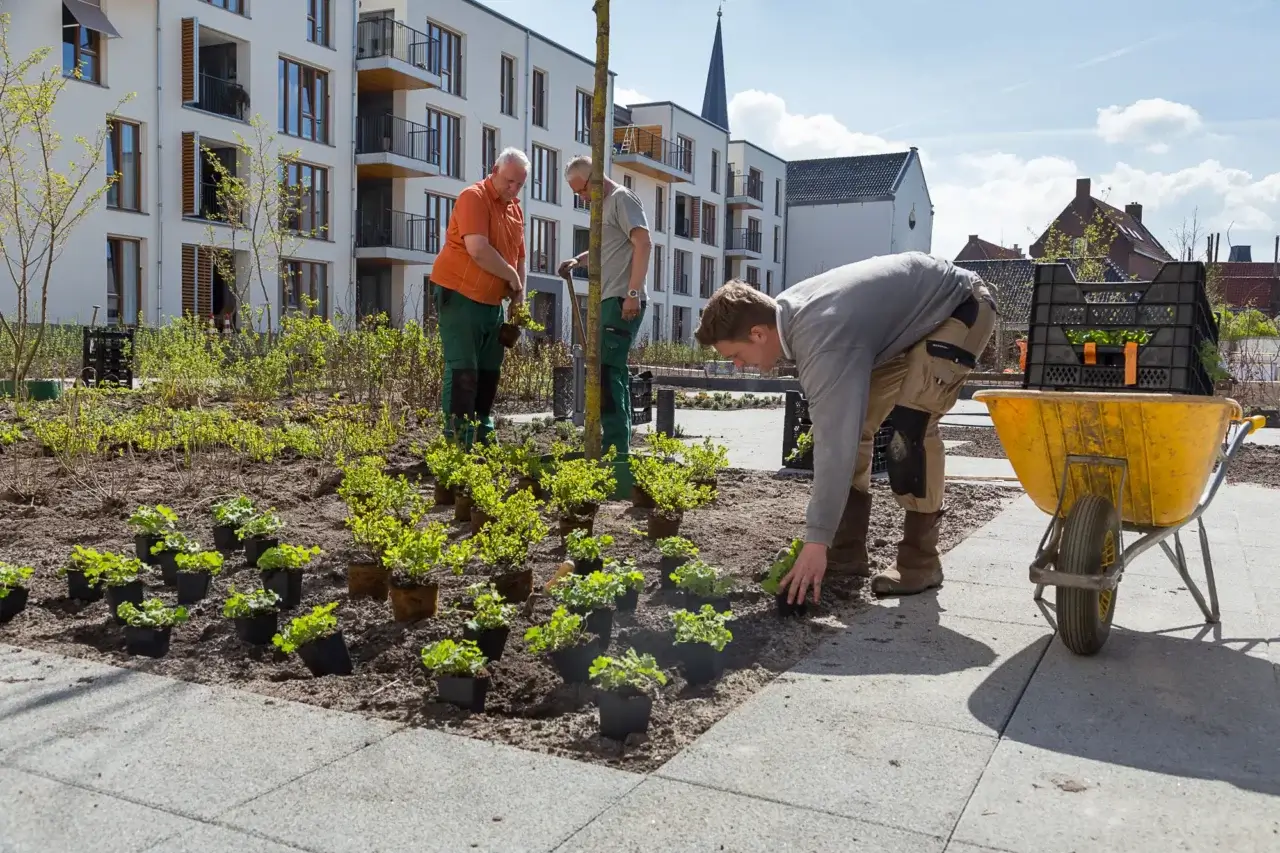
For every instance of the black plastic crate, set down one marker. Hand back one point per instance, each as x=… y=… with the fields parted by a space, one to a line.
x=642 y=397
x=1172 y=310
x=795 y=423
x=107 y=356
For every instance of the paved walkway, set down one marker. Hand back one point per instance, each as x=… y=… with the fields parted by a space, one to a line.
x=949 y=721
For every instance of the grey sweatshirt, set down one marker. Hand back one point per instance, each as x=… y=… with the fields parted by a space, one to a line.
x=839 y=325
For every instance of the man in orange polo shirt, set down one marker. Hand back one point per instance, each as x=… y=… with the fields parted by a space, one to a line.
x=481 y=263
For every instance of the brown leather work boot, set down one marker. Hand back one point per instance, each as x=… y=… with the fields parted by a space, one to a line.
x=919 y=566
x=848 y=552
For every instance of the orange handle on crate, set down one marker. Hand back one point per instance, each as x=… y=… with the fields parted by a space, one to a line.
x=1090 y=353
x=1022 y=355
x=1131 y=363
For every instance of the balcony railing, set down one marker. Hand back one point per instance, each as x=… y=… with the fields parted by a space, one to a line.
x=684 y=228
x=389 y=134
x=740 y=185
x=582 y=273
x=635 y=140
x=396 y=229
x=386 y=36
x=743 y=239
x=222 y=97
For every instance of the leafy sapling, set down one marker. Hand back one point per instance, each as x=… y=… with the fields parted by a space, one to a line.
x=262 y=524
x=489 y=609
x=804 y=444
x=316 y=625
x=12 y=577
x=699 y=578
x=576 y=486
x=781 y=566
x=587 y=593
x=209 y=562
x=153 y=520
x=288 y=558
x=152 y=614
x=241 y=605
x=705 y=626
x=585 y=548
x=232 y=511
x=706 y=460
x=630 y=674
x=453 y=658
x=565 y=630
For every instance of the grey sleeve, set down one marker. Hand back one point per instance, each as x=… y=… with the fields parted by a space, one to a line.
x=837 y=384
x=630 y=213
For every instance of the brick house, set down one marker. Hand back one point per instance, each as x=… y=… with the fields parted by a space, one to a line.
x=1251 y=285
x=1134 y=250
x=978 y=249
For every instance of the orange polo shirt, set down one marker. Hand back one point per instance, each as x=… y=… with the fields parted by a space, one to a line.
x=479 y=210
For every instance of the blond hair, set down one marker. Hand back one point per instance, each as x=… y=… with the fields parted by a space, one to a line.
x=733 y=311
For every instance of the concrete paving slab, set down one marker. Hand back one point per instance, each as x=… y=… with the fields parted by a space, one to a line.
x=208 y=838
x=663 y=816
x=42 y=816
x=1262 y=565
x=962 y=847
x=420 y=791
x=980 y=601
x=1033 y=800
x=979 y=468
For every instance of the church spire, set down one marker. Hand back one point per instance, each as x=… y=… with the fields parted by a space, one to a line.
x=715 y=100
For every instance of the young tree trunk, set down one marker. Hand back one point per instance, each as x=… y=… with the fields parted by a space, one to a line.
x=599 y=105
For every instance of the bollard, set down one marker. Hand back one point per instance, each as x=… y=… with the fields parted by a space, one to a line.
x=665 y=418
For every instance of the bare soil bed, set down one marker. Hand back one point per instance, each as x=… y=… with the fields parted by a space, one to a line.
x=528 y=706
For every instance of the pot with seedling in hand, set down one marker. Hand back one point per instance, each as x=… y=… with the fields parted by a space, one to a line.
x=506 y=541
x=700 y=638
x=318 y=641
x=675 y=551
x=150 y=524
x=577 y=487
x=166 y=552
x=13 y=590
x=414 y=557
x=702 y=584
x=586 y=551
x=84 y=574
x=282 y=568
x=625 y=695
x=490 y=623
x=195 y=571
x=772 y=583
x=256 y=615
x=120 y=574
x=564 y=639
x=147 y=626
x=228 y=515
x=460 y=673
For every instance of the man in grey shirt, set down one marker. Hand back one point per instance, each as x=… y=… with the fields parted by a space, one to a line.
x=624 y=263
x=889 y=337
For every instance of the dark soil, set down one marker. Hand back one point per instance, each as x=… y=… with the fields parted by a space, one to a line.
x=528 y=705
x=982 y=441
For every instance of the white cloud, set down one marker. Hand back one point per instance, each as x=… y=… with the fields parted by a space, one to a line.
x=626 y=97
x=763 y=118
x=1147 y=120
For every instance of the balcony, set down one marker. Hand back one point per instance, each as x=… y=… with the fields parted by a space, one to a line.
x=643 y=150
x=395 y=237
x=744 y=192
x=743 y=243
x=222 y=97
x=388 y=146
x=392 y=57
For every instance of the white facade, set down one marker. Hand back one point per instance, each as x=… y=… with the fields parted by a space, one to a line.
x=758 y=204
x=146 y=62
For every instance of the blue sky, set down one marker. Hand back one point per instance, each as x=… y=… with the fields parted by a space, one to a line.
x=1174 y=104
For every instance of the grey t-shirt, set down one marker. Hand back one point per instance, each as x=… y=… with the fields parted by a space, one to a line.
x=622 y=212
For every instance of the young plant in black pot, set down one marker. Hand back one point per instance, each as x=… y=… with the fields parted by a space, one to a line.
x=281 y=568
x=256 y=615
x=166 y=551
x=84 y=573
x=674 y=494
x=318 y=641
x=506 y=541
x=565 y=640
x=586 y=551
x=702 y=584
x=228 y=515
x=258 y=534
x=195 y=570
x=414 y=557
x=771 y=584
x=13 y=590
x=627 y=685
x=459 y=669
x=490 y=623
x=632 y=580
x=700 y=639
x=577 y=487
x=150 y=524
x=592 y=597
x=120 y=575
x=147 y=626
x=675 y=551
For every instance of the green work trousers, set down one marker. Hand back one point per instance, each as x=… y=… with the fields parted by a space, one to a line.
x=616 y=337
x=472 y=363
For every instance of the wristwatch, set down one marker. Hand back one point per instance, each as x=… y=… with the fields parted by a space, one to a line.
x=633 y=294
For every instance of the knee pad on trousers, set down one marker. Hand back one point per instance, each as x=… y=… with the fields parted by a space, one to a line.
x=486 y=391
x=465 y=388
x=608 y=405
x=905 y=455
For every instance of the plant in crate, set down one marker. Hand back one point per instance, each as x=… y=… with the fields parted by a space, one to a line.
x=705 y=461
x=84 y=573
x=586 y=551
x=577 y=487
x=505 y=542
x=413 y=556
x=675 y=551
x=148 y=626
x=460 y=673
x=165 y=553
x=13 y=590
x=804 y=445
x=702 y=584
x=318 y=641
x=228 y=514
x=195 y=570
x=281 y=567
x=674 y=493
x=700 y=638
x=120 y=574
x=150 y=524
x=772 y=582
x=256 y=614
x=565 y=640
x=258 y=534
x=490 y=622
x=592 y=597
x=627 y=685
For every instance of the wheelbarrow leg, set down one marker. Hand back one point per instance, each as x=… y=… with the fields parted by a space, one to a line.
x=1208 y=570
x=1039 y=593
x=1178 y=557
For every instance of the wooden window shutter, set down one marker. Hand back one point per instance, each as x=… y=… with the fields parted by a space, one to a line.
x=204 y=284
x=695 y=227
x=191 y=177
x=190 y=60
x=189 y=275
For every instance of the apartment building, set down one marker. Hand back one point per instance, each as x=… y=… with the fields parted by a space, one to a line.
x=176 y=81
x=757 y=202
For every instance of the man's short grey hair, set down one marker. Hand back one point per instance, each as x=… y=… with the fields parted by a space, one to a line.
x=580 y=165
x=512 y=155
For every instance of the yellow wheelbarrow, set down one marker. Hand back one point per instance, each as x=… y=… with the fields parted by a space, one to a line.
x=1107 y=464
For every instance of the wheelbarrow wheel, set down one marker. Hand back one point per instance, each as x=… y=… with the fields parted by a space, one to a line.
x=1090 y=545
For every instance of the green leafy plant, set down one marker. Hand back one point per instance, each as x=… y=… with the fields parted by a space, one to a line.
x=1103 y=337
x=152 y=614
x=175 y=542
x=580 y=545
x=705 y=460
x=585 y=593
x=260 y=524
x=290 y=558
x=705 y=626
x=673 y=490
x=118 y=570
x=199 y=561
x=316 y=625
x=462 y=659
x=701 y=579
x=674 y=547
x=565 y=630
x=804 y=445
x=518 y=315
x=241 y=605
x=630 y=673
x=506 y=540
x=445 y=459
x=232 y=511
x=153 y=520
x=574 y=485
x=626 y=572
x=418 y=552
x=89 y=561
x=781 y=567
x=487 y=485
x=489 y=608
x=12 y=577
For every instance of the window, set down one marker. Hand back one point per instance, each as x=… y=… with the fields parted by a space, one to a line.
x=581 y=244
x=439 y=211
x=488 y=148
x=678 y=323
x=582 y=118
x=450 y=47
x=311 y=202
x=753 y=277
x=124 y=281
x=81 y=49
x=579 y=204
x=304 y=288
x=657 y=269
x=768 y=282
x=546 y=178
x=715 y=171
x=626 y=182
x=542 y=248
x=777 y=197
x=304 y=101
x=318 y=22
x=681 y=277
x=657 y=323
x=707 y=277
x=539 y=98
x=709 y=229
x=777 y=241
x=448 y=130
x=684 y=153
x=660 y=209
x=753 y=227
x=507 y=86
x=240 y=7
x=124 y=160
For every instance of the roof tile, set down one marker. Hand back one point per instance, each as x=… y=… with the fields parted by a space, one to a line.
x=835 y=180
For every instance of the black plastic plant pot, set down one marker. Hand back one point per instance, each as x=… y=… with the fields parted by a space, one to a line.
x=257 y=630
x=149 y=642
x=13 y=603
x=629 y=601
x=668 y=565
x=464 y=691
x=192 y=586
x=256 y=546
x=622 y=714
x=598 y=622
x=224 y=538
x=693 y=603
x=286 y=583
x=142 y=543
x=78 y=587
x=701 y=662
x=786 y=609
x=327 y=655
x=586 y=567
x=168 y=563
x=492 y=641
x=574 y=664
x=117 y=595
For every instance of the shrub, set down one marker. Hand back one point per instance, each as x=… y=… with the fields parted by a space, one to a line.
x=287 y=557
x=12 y=577
x=153 y=520
x=632 y=673
x=489 y=609
x=673 y=490
x=573 y=485
x=241 y=605
x=705 y=460
x=506 y=540
x=701 y=579
x=585 y=593
x=200 y=561
x=418 y=552
x=448 y=657
x=316 y=625
x=232 y=511
x=152 y=614
x=445 y=459
x=781 y=566
x=580 y=545
x=705 y=626
x=565 y=630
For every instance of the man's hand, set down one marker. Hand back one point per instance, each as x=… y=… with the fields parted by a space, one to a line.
x=515 y=285
x=630 y=308
x=566 y=267
x=808 y=570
